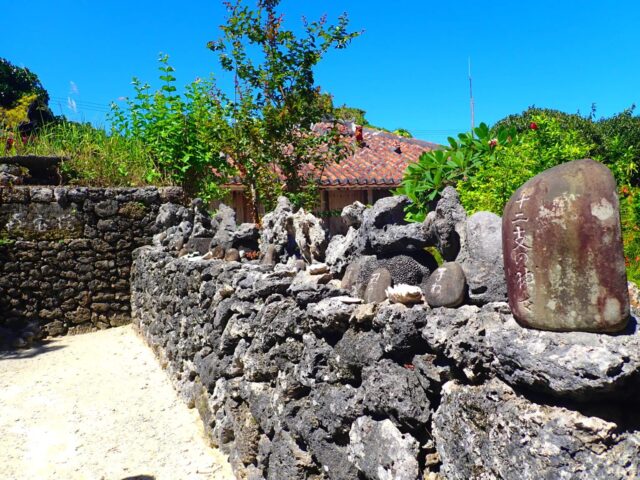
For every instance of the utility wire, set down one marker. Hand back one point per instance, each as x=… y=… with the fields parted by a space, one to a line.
x=102 y=108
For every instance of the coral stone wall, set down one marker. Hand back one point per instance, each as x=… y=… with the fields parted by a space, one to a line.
x=280 y=372
x=65 y=256
x=297 y=374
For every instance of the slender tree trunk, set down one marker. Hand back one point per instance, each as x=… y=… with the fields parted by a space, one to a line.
x=253 y=202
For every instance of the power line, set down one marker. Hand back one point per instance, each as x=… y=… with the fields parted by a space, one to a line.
x=91 y=106
x=96 y=104
x=102 y=108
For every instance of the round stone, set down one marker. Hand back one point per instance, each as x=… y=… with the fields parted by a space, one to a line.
x=446 y=287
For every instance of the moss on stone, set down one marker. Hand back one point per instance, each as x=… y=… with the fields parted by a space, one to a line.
x=51 y=234
x=134 y=210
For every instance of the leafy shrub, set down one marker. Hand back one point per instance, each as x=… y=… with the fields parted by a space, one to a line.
x=630 y=218
x=585 y=127
x=487 y=169
x=424 y=180
x=621 y=138
x=180 y=133
x=545 y=144
x=23 y=99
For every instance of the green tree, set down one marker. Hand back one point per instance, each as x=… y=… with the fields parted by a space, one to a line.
x=583 y=126
x=23 y=99
x=621 y=138
x=358 y=116
x=351 y=114
x=276 y=102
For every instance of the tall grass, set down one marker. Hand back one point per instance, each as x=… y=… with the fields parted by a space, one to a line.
x=93 y=157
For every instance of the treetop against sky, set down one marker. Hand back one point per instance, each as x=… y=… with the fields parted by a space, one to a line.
x=409 y=69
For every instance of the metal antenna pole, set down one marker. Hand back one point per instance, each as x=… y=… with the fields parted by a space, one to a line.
x=471 y=98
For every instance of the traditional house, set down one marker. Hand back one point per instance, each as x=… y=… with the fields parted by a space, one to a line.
x=373 y=170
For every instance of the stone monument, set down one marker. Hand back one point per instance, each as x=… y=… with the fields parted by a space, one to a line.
x=563 y=255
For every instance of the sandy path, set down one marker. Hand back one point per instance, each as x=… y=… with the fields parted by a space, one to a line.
x=98 y=406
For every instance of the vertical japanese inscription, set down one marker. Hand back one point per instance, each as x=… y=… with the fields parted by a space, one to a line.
x=520 y=252
x=437 y=287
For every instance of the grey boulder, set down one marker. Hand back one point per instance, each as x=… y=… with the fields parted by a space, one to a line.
x=386 y=211
x=445 y=223
x=352 y=215
x=380 y=451
x=225 y=219
x=344 y=250
x=576 y=365
x=376 y=291
x=246 y=236
x=277 y=227
x=488 y=431
x=310 y=235
x=446 y=286
x=481 y=258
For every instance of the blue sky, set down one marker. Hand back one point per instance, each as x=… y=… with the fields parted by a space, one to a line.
x=408 y=69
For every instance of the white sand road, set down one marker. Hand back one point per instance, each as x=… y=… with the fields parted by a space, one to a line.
x=98 y=406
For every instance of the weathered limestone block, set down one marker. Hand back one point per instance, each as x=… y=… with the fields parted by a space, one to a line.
x=381 y=451
x=577 y=365
x=488 y=431
x=246 y=237
x=444 y=223
x=563 y=251
x=353 y=214
x=277 y=227
x=310 y=235
x=225 y=219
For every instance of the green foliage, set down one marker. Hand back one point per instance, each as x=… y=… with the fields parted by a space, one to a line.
x=276 y=102
x=621 y=138
x=630 y=218
x=16 y=83
x=12 y=118
x=351 y=114
x=517 y=157
x=180 y=133
x=584 y=127
x=500 y=160
x=424 y=180
x=92 y=157
x=358 y=116
x=403 y=132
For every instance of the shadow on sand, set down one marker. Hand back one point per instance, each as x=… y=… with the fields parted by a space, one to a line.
x=20 y=353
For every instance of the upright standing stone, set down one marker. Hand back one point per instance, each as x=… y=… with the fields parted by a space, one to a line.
x=563 y=254
x=376 y=291
x=481 y=258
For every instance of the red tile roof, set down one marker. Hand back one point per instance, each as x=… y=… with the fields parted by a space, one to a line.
x=378 y=161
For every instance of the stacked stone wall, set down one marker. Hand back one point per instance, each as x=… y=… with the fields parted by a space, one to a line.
x=294 y=380
x=65 y=256
x=340 y=370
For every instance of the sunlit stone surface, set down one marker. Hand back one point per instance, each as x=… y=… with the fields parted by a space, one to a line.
x=563 y=254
